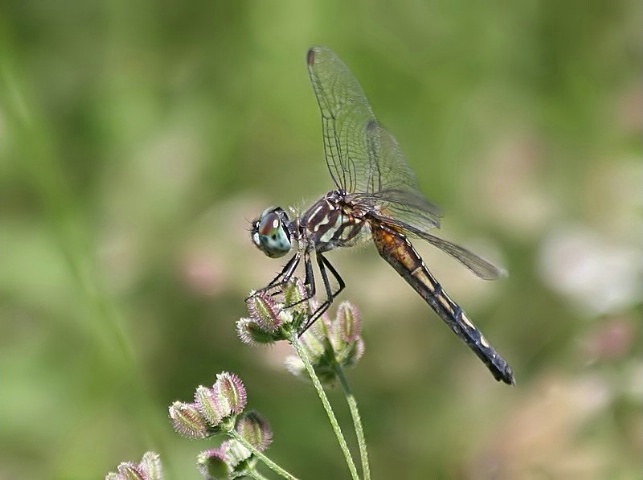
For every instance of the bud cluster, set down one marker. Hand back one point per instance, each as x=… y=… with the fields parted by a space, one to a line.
x=220 y=410
x=330 y=343
x=271 y=320
x=232 y=458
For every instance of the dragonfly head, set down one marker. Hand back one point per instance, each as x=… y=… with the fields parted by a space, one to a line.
x=270 y=232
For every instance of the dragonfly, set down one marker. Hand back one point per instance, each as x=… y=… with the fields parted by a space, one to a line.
x=377 y=198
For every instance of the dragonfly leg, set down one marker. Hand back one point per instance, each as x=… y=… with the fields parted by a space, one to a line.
x=309 y=281
x=282 y=278
x=323 y=264
x=286 y=275
x=330 y=295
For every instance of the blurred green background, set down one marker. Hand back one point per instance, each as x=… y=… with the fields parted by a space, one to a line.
x=137 y=140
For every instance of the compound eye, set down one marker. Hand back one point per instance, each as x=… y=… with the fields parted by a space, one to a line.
x=269 y=224
x=271 y=235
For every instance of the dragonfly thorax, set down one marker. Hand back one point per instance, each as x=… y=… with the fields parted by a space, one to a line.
x=332 y=222
x=272 y=232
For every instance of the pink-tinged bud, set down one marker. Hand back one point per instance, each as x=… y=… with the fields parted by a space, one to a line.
x=265 y=312
x=230 y=387
x=349 y=322
x=151 y=466
x=346 y=336
x=251 y=333
x=129 y=471
x=188 y=421
x=255 y=429
x=267 y=317
x=209 y=405
x=294 y=292
x=352 y=353
x=213 y=465
x=226 y=397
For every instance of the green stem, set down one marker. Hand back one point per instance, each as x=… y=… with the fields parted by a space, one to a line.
x=357 y=421
x=301 y=352
x=256 y=475
x=269 y=463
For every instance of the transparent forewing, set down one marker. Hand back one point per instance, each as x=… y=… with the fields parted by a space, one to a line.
x=362 y=156
x=345 y=116
x=473 y=262
x=397 y=188
x=478 y=265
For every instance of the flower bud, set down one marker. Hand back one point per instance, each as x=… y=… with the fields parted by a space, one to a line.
x=331 y=342
x=349 y=322
x=265 y=311
x=226 y=397
x=129 y=471
x=213 y=465
x=150 y=468
x=267 y=318
x=188 y=421
x=255 y=429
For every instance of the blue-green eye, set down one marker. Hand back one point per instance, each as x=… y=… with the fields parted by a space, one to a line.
x=270 y=234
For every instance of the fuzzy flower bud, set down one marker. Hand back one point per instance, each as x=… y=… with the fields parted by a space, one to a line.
x=129 y=471
x=226 y=397
x=294 y=294
x=267 y=318
x=149 y=468
x=213 y=465
x=265 y=311
x=255 y=429
x=188 y=421
x=349 y=322
x=331 y=342
x=346 y=335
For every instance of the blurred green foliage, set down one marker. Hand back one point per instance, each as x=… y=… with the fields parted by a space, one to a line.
x=137 y=139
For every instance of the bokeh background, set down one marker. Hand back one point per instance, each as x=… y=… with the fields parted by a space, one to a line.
x=137 y=140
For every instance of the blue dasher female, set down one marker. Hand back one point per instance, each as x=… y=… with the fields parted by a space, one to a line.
x=377 y=197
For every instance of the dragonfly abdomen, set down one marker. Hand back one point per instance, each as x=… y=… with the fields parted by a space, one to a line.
x=397 y=250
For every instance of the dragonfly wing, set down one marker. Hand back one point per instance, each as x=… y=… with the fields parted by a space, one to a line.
x=362 y=156
x=366 y=161
x=346 y=115
x=478 y=265
x=397 y=187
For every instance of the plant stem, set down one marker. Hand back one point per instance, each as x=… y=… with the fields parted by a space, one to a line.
x=269 y=463
x=301 y=352
x=357 y=421
x=256 y=475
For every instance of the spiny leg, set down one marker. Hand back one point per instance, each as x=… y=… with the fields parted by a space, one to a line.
x=330 y=295
x=282 y=278
x=286 y=276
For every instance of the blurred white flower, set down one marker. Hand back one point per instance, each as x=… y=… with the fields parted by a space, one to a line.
x=597 y=276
